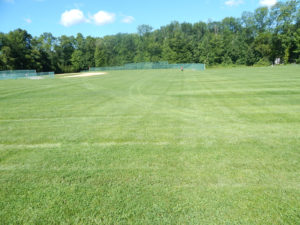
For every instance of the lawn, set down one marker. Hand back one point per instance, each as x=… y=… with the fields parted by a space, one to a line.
x=220 y=146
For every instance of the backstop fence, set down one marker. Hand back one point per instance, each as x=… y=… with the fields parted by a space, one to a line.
x=30 y=74
x=151 y=65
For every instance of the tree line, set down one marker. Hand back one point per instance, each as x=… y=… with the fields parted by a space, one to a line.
x=256 y=38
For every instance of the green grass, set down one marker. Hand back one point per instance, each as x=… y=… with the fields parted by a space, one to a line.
x=152 y=147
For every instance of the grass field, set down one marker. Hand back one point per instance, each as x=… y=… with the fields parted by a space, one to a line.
x=221 y=146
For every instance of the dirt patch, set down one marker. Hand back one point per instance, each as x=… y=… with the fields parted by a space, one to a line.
x=85 y=75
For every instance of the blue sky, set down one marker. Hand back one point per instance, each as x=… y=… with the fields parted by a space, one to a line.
x=104 y=17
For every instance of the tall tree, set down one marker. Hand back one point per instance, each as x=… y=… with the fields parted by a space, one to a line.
x=257 y=37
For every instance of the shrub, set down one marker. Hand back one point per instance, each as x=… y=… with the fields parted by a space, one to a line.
x=263 y=62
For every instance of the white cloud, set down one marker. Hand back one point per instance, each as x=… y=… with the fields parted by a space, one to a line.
x=102 y=17
x=10 y=1
x=234 y=2
x=27 y=20
x=127 y=19
x=72 y=17
x=76 y=16
x=267 y=3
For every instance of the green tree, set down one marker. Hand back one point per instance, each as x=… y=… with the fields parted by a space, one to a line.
x=101 y=58
x=19 y=49
x=77 y=60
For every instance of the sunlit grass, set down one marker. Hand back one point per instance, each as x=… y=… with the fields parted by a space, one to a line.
x=152 y=147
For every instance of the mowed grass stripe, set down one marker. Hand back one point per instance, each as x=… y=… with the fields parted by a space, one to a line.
x=219 y=146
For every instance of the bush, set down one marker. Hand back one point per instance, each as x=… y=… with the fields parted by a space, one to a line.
x=263 y=62
x=67 y=68
x=226 y=60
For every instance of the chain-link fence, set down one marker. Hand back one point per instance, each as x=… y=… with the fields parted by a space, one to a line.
x=150 y=65
x=30 y=74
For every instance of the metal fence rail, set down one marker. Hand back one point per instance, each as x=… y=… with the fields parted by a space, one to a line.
x=150 y=65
